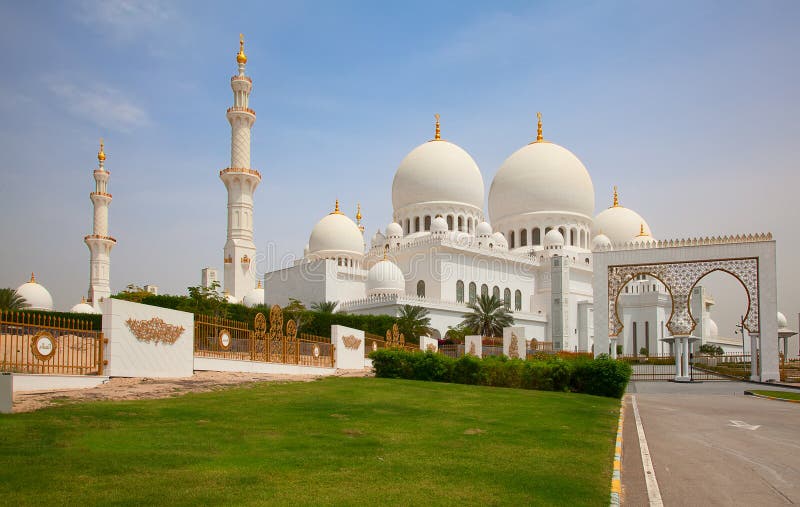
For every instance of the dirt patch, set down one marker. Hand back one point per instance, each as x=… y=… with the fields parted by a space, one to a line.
x=149 y=388
x=352 y=433
x=473 y=431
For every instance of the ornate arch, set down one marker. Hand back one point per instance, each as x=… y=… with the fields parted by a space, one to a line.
x=679 y=278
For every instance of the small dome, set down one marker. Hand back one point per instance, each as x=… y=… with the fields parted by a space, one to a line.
x=782 y=322
x=394 y=230
x=713 y=330
x=385 y=278
x=483 y=229
x=541 y=177
x=500 y=239
x=254 y=297
x=553 y=239
x=601 y=243
x=35 y=295
x=230 y=298
x=83 y=307
x=439 y=225
x=619 y=223
x=437 y=171
x=336 y=233
x=378 y=239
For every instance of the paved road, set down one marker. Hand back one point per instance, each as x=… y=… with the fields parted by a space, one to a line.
x=701 y=457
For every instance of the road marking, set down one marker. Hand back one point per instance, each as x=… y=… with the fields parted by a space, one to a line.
x=744 y=425
x=653 y=492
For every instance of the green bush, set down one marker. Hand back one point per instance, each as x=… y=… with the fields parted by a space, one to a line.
x=95 y=320
x=602 y=376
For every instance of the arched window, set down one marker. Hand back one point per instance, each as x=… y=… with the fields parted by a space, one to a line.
x=421 y=289
x=547 y=229
x=523 y=237
x=469 y=225
x=427 y=222
x=460 y=291
x=563 y=232
x=449 y=222
x=536 y=237
x=572 y=237
x=408 y=226
x=511 y=239
x=416 y=224
x=484 y=290
x=496 y=292
x=473 y=292
x=507 y=298
x=518 y=300
x=461 y=224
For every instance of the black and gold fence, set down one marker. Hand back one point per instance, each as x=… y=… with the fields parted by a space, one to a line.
x=41 y=343
x=220 y=338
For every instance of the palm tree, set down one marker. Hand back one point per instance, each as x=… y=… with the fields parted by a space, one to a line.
x=414 y=322
x=324 y=306
x=489 y=316
x=10 y=300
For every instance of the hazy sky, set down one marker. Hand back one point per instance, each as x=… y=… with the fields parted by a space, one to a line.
x=690 y=107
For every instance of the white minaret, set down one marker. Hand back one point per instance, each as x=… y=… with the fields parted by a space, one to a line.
x=99 y=242
x=240 y=181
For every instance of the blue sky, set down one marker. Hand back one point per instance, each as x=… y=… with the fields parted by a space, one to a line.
x=690 y=107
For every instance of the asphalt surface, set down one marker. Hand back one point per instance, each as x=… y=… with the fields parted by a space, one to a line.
x=712 y=445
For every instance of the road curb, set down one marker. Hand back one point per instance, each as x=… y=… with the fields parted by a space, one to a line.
x=750 y=393
x=616 y=475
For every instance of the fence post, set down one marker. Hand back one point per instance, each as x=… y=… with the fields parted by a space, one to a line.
x=100 y=340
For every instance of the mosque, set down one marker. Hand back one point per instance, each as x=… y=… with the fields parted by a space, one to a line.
x=440 y=250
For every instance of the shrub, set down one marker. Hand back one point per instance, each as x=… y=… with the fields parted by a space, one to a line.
x=602 y=376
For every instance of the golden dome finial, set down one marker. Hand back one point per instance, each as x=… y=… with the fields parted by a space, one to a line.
x=539 y=137
x=336 y=210
x=641 y=230
x=616 y=198
x=259 y=285
x=33 y=278
x=438 y=135
x=358 y=213
x=101 y=155
x=241 y=57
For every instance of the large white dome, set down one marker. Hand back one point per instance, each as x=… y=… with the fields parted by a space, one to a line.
x=541 y=177
x=336 y=233
x=385 y=278
x=437 y=171
x=254 y=297
x=620 y=224
x=35 y=295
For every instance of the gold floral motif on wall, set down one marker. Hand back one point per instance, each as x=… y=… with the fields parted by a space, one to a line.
x=154 y=330
x=351 y=342
x=513 y=348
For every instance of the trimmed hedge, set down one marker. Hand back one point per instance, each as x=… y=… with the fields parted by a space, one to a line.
x=601 y=376
x=94 y=319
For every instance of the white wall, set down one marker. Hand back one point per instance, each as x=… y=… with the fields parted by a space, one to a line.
x=24 y=382
x=347 y=358
x=214 y=364
x=128 y=356
x=477 y=341
x=425 y=341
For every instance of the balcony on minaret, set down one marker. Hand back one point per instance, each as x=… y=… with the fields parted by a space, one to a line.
x=240 y=170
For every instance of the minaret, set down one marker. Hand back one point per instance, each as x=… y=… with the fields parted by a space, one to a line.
x=99 y=242
x=240 y=181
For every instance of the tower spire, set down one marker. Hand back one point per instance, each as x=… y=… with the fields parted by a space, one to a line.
x=99 y=242
x=438 y=135
x=616 y=198
x=336 y=210
x=358 y=218
x=241 y=58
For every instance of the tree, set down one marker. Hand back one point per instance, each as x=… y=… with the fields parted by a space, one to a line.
x=325 y=306
x=457 y=334
x=711 y=350
x=133 y=293
x=297 y=312
x=489 y=316
x=414 y=322
x=207 y=300
x=10 y=300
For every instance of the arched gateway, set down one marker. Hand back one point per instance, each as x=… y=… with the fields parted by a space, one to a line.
x=679 y=265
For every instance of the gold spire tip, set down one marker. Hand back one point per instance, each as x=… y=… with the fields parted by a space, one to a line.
x=33 y=278
x=616 y=198
x=438 y=135
x=641 y=230
x=259 y=285
x=241 y=57
x=336 y=209
x=101 y=155
x=539 y=137
x=358 y=212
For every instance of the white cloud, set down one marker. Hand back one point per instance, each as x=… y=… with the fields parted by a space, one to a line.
x=124 y=19
x=103 y=105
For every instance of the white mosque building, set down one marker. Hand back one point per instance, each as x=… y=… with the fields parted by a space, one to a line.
x=440 y=250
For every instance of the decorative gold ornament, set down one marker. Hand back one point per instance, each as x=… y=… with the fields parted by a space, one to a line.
x=260 y=324
x=394 y=338
x=241 y=57
x=616 y=198
x=245 y=259
x=438 y=134
x=224 y=339
x=33 y=278
x=351 y=342
x=336 y=209
x=430 y=348
x=101 y=155
x=154 y=330
x=641 y=231
x=316 y=350
x=472 y=350
x=228 y=260
x=43 y=346
x=513 y=348
x=539 y=136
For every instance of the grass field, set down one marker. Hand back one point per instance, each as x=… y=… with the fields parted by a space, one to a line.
x=780 y=394
x=339 y=441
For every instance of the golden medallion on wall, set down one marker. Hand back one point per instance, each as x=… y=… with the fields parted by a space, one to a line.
x=43 y=346
x=224 y=339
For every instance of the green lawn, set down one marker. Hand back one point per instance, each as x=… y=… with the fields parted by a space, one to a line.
x=339 y=441
x=780 y=394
